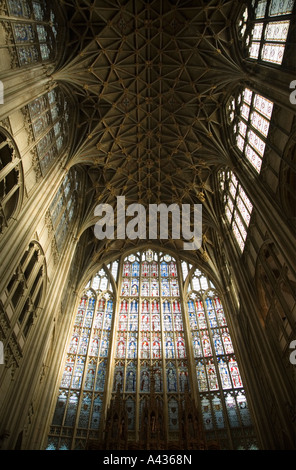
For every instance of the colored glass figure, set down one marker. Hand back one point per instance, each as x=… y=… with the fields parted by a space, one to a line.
x=202 y=320
x=94 y=350
x=164 y=272
x=206 y=344
x=123 y=306
x=122 y=322
x=212 y=319
x=101 y=375
x=134 y=307
x=126 y=270
x=145 y=346
x=121 y=347
x=169 y=347
x=158 y=380
x=183 y=380
x=173 y=269
x=171 y=380
x=178 y=322
x=156 y=346
x=174 y=288
x=197 y=350
x=224 y=374
x=167 y=321
x=132 y=347
x=155 y=323
x=145 y=381
x=235 y=374
x=154 y=288
x=201 y=377
x=90 y=377
x=133 y=323
x=165 y=289
x=218 y=344
x=135 y=287
x=118 y=379
x=145 y=322
x=135 y=269
x=154 y=269
x=145 y=288
x=212 y=377
x=181 y=348
x=131 y=380
x=227 y=343
x=192 y=321
x=125 y=288
x=67 y=375
x=145 y=269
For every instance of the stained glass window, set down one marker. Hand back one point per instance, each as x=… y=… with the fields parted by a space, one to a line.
x=269 y=30
x=34 y=30
x=251 y=115
x=220 y=384
x=154 y=341
x=63 y=207
x=150 y=331
x=81 y=393
x=238 y=207
x=49 y=116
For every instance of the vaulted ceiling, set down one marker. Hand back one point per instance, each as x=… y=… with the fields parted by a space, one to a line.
x=151 y=79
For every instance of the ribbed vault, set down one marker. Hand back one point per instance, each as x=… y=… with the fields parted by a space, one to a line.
x=151 y=79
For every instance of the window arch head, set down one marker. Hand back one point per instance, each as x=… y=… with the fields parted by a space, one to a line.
x=11 y=179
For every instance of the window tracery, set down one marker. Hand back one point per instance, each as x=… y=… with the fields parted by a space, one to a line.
x=63 y=208
x=264 y=29
x=81 y=392
x=219 y=380
x=151 y=354
x=32 y=31
x=250 y=114
x=236 y=205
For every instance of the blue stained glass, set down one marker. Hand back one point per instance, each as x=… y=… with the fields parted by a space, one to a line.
x=171 y=379
x=28 y=55
x=38 y=11
x=19 y=8
x=135 y=269
x=96 y=413
x=23 y=33
x=45 y=51
x=164 y=270
x=42 y=33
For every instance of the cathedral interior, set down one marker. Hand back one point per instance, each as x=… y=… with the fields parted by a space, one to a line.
x=131 y=340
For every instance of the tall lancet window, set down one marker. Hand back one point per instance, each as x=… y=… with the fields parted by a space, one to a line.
x=237 y=207
x=81 y=393
x=264 y=28
x=250 y=115
x=150 y=338
x=49 y=122
x=222 y=396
